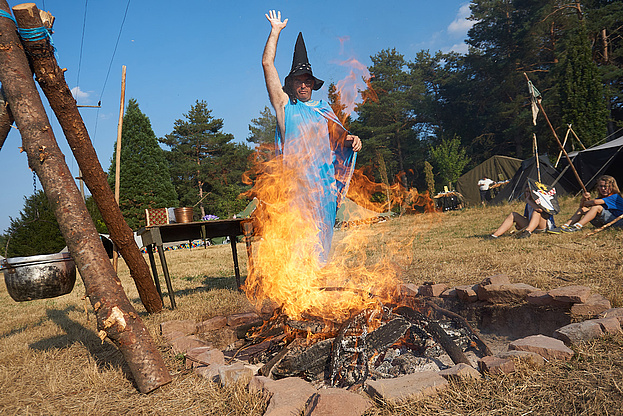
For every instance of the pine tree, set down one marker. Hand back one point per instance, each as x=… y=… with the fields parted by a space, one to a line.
x=145 y=180
x=35 y=232
x=206 y=167
x=581 y=91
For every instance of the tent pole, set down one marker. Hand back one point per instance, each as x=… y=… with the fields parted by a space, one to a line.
x=575 y=172
x=536 y=155
x=564 y=142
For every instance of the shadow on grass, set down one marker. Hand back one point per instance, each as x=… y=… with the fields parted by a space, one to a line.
x=204 y=284
x=106 y=355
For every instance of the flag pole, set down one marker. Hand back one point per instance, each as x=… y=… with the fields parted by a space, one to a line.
x=538 y=102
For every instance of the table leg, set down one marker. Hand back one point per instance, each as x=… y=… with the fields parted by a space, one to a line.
x=167 y=278
x=247 y=229
x=154 y=270
x=234 y=251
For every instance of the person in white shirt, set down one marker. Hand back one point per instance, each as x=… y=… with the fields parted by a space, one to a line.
x=484 y=185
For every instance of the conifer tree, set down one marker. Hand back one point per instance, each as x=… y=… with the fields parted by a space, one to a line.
x=145 y=181
x=206 y=166
x=581 y=91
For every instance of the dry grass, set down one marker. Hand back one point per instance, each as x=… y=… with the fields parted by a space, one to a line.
x=52 y=362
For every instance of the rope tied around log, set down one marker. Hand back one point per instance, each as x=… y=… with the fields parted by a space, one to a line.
x=32 y=34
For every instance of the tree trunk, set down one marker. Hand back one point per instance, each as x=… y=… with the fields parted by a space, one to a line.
x=6 y=118
x=116 y=317
x=52 y=81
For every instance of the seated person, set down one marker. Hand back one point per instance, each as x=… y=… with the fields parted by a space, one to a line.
x=599 y=211
x=534 y=218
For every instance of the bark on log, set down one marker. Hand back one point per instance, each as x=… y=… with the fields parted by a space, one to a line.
x=6 y=118
x=433 y=328
x=116 y=317
x=52 y=81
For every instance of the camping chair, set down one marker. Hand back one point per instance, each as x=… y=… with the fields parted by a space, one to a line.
x=157 y=216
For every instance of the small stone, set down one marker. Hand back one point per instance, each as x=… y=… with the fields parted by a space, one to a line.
x=496 y=365
x=505 y=293
x=419 y=384
x=231 y=374
x=238 y=319
x=212 y=324
x=571 y=294
x=433 y=290
x=579 y=331
x=609 y=325
x=529 y=357
x=326 y=401
x=547 y=347
x=182 y=345
x=449 y=293
x=209 y=372
x=408 y=289
x=594 y=305
x=460 y=371
x=186 y=327
x=613 y=313
x=286 y=395
x=204 y=356
x=467 y=293
x=498 y=279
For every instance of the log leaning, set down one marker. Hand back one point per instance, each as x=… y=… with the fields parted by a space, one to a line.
x=51 y=79
x=116 y=317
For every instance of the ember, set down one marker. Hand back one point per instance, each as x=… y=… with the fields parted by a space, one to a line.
x=385 y=342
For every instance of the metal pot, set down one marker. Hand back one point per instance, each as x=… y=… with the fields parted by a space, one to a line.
x=39 y=277
x=184 y=214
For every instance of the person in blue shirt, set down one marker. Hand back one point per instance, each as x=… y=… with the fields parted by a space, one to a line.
x=314 y=147
x=599 y=211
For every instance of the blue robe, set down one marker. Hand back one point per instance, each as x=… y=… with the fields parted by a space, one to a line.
x=314 y=145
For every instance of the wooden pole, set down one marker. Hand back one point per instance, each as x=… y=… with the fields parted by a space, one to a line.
x=118 y=157
x=6 y=118
x=116 y=317
x=51 y=78
x=577 y=138
x=620 y=217
x=536 y=155
x=563 y=145
x=575 y=172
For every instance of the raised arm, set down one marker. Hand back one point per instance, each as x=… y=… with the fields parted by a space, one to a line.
x=278 y=98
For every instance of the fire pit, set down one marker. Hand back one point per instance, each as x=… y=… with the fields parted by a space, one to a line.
x=385 y=342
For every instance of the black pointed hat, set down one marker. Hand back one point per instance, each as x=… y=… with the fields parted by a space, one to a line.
x=300 y=63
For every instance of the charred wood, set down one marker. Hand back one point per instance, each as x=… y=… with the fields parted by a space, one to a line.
x=300 y=361
x=433 y=328
x=480 y=343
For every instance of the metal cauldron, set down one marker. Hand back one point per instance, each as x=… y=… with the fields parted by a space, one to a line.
x=39 y=277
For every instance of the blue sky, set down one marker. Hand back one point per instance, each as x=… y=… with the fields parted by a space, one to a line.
x=211 y=50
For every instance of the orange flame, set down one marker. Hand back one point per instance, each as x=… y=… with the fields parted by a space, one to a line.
x=286 y=269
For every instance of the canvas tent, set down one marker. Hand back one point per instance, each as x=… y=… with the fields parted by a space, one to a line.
x=605 y=159
x=498 y=168
x=528 y=169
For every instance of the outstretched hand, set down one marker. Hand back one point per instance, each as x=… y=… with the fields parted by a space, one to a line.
x=274 y=17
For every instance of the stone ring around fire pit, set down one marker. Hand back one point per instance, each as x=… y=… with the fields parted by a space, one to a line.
x=412 y=349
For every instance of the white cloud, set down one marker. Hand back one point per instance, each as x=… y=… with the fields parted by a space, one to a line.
x=459 y=48
x=79 y=95
x=460 y=25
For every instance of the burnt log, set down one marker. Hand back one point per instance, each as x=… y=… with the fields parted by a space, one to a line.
x=116 y=317
x=310 y=363
x=51 y=79
x=437 y=332
x=480 y=343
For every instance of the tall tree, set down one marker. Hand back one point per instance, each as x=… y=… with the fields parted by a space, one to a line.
x=206 y=166
x=145 y=180
x=262 y=129
x=36 y=231
x=450 y=160
x=386 y=119
x=581 y=93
